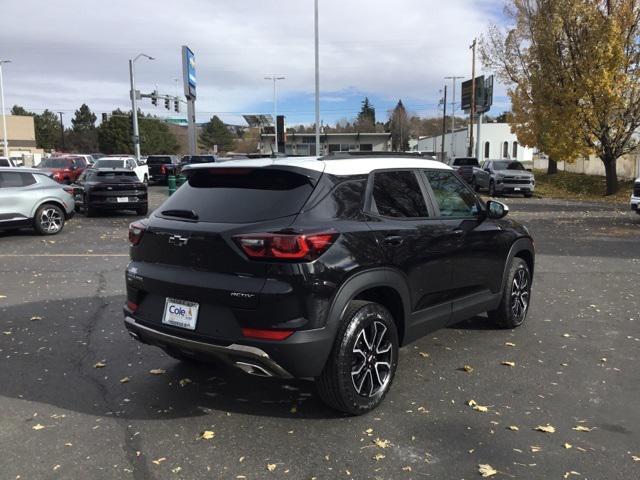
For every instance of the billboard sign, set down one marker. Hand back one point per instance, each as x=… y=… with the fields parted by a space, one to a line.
x=189 y=72
x=484 y=94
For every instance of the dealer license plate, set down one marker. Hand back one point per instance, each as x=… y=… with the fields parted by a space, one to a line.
x=180 y=313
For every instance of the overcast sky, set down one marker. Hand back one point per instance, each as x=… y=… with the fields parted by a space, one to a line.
x=70 y=52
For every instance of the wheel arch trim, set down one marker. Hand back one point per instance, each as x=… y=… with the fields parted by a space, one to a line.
x=524 y=244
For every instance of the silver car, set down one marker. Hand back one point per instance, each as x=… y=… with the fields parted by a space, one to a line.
x=503 y=176
x=30 y=198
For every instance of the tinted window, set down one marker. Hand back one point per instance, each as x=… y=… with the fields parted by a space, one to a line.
x=53 y=162
x=16 y=179
x=158 y=160
x=108 y=163
x=240 y=195
x=453 y=198
x=4 y=162
x=127 y=176
x=398 y=194
x=199 y=159
x=465 y=162
x=507 y=165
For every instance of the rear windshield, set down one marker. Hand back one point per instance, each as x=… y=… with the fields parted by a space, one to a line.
x=465 y=162
x=108 y=163
x=241 y=195
x=56 y=163
x=119 y=176
x=199 y=159
x=158 y=160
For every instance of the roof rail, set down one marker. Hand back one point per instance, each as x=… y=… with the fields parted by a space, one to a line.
x=350 y=155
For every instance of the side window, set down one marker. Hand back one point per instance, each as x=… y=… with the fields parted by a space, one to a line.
x=453 y=198
x=515 y=150
x=16 y=179
x=486 y=149
x=398 y=194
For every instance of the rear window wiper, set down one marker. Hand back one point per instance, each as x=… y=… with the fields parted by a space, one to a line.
x=190 y=214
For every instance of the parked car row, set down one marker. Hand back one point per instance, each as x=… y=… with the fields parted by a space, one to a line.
x=496 y=176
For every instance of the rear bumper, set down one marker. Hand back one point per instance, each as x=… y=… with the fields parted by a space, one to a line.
x=102 y=205
x=250 y=359
x=302 y=355
x=515 y=187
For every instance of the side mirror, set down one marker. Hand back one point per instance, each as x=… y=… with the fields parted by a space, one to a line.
x=529 y=170
x=496 y=210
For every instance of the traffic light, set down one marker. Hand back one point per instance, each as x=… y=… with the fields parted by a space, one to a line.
x=166 y=104
x=154 y=98
x=104 y=117
x=176 y=105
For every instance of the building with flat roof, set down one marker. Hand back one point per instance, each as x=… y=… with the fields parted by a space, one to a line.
x=304 y=144
x=496 y=142
x=21 y=134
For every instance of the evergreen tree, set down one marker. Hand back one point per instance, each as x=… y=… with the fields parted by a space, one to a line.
x=83 y=136
x=367 y=115
x=115 y=135
x=47 y=126
x=399 y=127
x=20 y=111
x=215 y=132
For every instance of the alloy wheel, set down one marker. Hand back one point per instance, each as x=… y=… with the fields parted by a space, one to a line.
x=372 y=360
x=520 y=294
x=51 y=220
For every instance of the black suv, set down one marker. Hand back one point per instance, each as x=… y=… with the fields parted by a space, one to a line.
x=101 y=189
x=322 y=269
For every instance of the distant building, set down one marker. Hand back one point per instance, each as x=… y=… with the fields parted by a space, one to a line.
x=21 y=135
x=496 y=142
x=302 y=144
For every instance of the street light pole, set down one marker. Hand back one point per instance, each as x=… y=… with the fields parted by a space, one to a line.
x=62 y=133
x=4 y=116
x=275 y=107
x=134 y=104
x=453 y=113
x=317 y=69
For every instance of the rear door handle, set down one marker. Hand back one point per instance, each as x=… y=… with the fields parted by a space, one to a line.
x=393 y=240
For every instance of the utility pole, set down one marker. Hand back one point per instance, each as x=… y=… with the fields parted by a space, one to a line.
x=453 y=113
x=62 y=133
x=473 y=96
x=275 y=107
x=444 y=123
x=5 y=139
x=134 y=104
x=317 y=68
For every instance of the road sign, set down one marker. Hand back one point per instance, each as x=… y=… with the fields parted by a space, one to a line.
x=189 y=72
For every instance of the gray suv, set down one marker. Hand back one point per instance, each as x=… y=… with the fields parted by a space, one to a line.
x=503 y=176
x=30 y=198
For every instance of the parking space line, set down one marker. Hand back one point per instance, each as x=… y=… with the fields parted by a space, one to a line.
x=65 y=255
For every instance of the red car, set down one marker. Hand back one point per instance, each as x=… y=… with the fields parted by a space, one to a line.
x=65 y=169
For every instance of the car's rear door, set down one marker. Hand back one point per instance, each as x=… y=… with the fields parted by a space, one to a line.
x=17 y=196
x=409 y=236
x=478 y=246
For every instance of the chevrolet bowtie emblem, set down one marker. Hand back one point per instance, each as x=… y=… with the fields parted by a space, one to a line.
x=178 y=241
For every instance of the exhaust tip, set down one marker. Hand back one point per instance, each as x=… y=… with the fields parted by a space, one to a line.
x=253 y=369
x=134 y=335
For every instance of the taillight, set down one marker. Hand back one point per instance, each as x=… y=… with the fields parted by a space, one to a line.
x=132 y=306
x=266 y=334
x=136 y=229
x=286 y=246
x=69 y=190
x=163 y=169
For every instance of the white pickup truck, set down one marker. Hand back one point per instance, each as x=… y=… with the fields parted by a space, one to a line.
x=142 y=171
x=7 y=162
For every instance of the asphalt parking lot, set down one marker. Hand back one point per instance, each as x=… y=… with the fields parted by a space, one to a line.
x=78 y=399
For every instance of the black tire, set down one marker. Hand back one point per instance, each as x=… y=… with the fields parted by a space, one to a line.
x=474 y=185
x=516 y=296
x=337 y=383
x=142 y=211
x=145 y=180
x=49 y=219
x=90 y=211
x=492 y=189
x=528 y=195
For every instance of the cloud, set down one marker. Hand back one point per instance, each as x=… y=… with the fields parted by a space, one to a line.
x=77 y=51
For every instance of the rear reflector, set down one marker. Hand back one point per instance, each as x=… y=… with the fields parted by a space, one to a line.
x=132 y=306
x=286 y=246
x=266 y=334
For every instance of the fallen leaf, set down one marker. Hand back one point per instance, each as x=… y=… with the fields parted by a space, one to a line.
x=423 y=354
x=207 y=435
x=271 y=467
x=100 y=365
x=157 y=371
x=467 y=368
x=566 y=335
x=3 y=296
x=125 y=380
x=35 y=317
x=476 y=407
x=176 y=470
x=509 y=344
x=635 y=458
x=582 y=428
x=37 y=427
x=56 y=467
x=567 y=446
x=513 y=428
x=378 y=456
x=508 y=364
x=568 y=474
x=294 y=409
x=545 y=428
x=68 y=444
x=381 y=443
x=486 y=470
x=184 y=382
x=406 y=469
x=159 y=460
x=8 y=332
x=535 y=449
